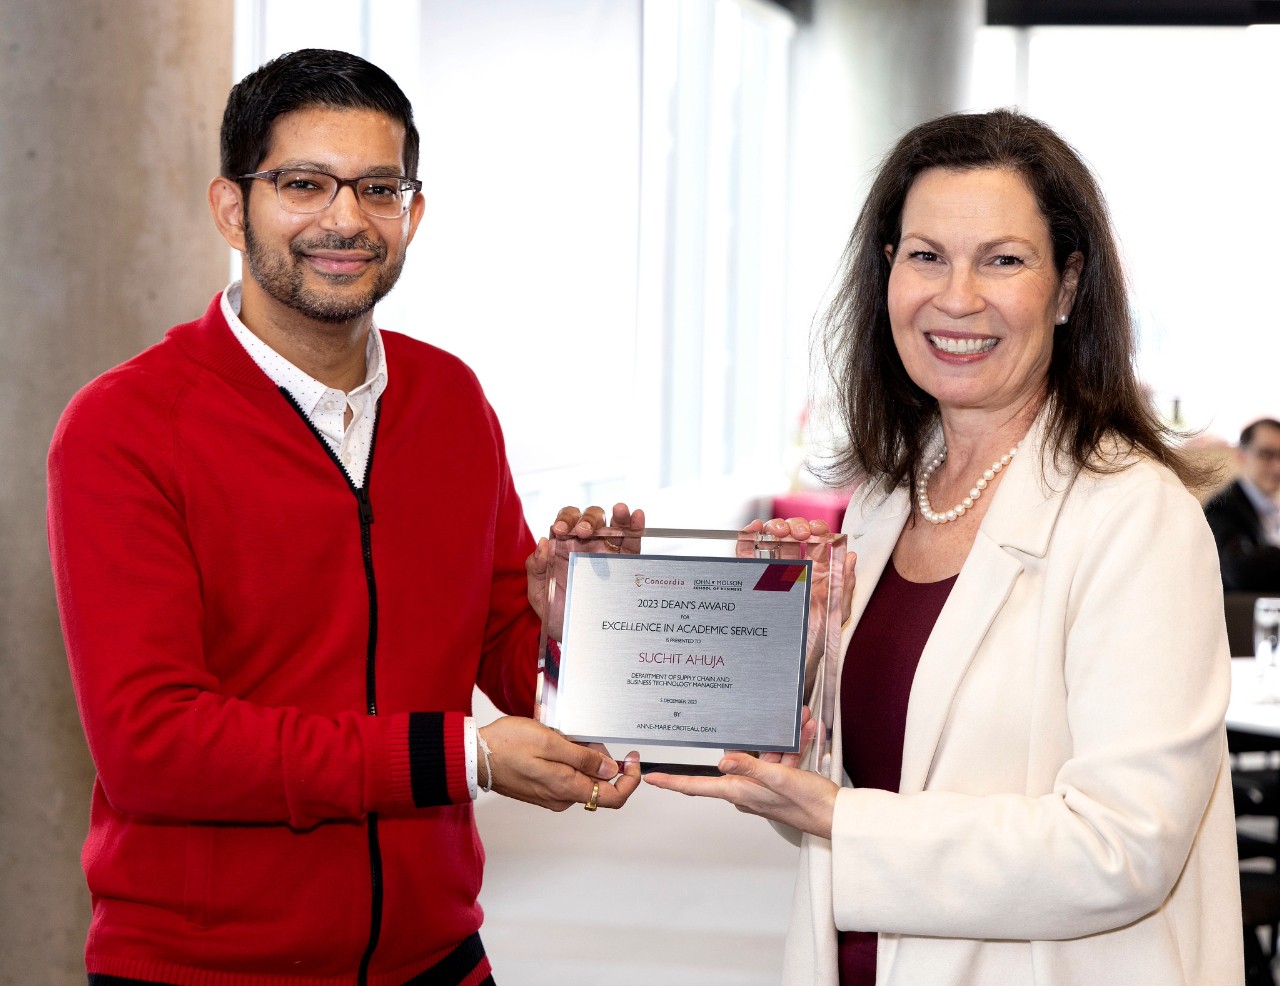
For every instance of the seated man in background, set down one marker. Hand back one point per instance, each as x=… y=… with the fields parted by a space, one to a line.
x=1245 y=515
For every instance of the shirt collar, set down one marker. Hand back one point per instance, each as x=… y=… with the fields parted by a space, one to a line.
x=303 y=388
x=1262 y=503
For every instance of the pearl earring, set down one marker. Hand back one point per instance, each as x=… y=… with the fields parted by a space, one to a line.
x=1062 y=320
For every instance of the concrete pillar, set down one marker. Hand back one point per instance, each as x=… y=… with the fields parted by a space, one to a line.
x=108 y=137
x=911 y=62
x=865 y=72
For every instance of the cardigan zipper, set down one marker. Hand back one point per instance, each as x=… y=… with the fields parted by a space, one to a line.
x=364 y=508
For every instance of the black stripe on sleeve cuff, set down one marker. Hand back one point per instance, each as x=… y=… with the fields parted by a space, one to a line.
x=428 y=762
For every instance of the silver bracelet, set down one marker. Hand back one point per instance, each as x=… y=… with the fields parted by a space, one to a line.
x=487 y=786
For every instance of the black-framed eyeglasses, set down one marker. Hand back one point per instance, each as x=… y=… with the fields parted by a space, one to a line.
x=303 y=192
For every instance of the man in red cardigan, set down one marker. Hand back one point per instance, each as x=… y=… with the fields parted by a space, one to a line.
x=287 y=547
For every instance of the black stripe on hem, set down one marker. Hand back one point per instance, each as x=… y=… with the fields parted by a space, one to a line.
x=454 y=967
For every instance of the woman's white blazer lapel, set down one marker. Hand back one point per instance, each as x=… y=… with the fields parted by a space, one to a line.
x=1018 y=523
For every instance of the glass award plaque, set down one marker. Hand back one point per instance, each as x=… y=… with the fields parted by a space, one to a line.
x=677 y=637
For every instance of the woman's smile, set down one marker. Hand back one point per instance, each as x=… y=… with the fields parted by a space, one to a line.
x=962 y=345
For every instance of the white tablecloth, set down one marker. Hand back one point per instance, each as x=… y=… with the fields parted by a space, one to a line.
x=1255 y=704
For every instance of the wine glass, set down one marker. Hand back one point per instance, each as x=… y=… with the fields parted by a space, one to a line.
x=1266 y=638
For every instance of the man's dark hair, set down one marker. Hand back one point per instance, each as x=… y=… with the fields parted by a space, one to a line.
x=1246 y=436
x=300 y=79
x=1094 y=391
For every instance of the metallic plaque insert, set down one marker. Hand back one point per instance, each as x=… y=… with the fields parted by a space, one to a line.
x=693 y=638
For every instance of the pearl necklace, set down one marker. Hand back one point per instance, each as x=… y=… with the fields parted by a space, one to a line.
x=922 y=487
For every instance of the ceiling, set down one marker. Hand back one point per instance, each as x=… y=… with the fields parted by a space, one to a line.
x=1133 y=13
x=1115 y=13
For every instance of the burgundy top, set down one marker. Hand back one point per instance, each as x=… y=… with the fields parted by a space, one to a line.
x=875 y=685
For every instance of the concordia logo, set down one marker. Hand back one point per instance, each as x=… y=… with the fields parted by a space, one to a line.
x=643 y=580
x=780 y=578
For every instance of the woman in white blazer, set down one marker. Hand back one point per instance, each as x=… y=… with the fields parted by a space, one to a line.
x=1034 y=668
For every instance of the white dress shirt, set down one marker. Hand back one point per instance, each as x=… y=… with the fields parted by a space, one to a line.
x=1268 y=511
x=325 y=407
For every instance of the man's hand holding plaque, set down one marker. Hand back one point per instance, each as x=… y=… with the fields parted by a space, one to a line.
x=548 y=565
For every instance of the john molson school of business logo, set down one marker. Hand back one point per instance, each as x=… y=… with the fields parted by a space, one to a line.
x=718 y=585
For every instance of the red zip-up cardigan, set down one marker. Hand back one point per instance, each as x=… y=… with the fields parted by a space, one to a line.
x=272 y=668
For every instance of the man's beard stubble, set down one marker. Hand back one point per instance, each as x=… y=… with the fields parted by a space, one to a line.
x=284 y=277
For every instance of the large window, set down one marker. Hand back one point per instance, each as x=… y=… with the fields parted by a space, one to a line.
x=1171 y=119
x=713 y=236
